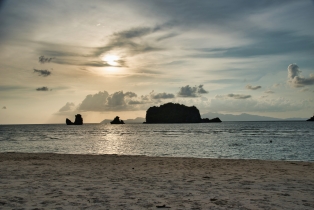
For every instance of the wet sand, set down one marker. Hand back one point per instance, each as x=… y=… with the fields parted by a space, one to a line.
x=55 y=181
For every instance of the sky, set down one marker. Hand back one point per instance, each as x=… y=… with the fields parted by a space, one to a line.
x=107 y=58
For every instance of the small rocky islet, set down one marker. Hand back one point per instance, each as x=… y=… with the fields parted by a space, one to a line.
x=78 y=120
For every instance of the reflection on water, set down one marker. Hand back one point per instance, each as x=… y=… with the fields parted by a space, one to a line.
x=254 y=140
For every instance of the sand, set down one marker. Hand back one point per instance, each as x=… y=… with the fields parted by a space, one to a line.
x=55 y=181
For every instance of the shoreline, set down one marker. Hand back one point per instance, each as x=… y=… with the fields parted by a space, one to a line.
x=76 y=181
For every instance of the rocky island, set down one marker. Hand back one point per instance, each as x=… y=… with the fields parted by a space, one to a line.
x=78 y=120
x=116 y=120
x=311 y=119
x=176 y=113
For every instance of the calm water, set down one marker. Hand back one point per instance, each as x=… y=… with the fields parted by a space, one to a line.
x=244 y=140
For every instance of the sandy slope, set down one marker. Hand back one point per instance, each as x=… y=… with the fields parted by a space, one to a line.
x=54 y=181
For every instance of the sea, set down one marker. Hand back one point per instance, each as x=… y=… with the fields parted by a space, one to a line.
x=227 y=140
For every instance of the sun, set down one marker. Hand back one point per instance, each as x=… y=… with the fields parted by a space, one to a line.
x=111 y=60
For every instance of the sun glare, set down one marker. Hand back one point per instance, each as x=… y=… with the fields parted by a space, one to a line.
x=111 y=60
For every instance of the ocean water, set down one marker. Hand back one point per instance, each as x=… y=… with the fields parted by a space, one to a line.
x=231 y=140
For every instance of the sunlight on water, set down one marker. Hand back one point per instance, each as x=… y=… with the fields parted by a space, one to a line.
x=253 y=140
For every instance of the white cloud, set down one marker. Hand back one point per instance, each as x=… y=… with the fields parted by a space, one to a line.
x=295 y=79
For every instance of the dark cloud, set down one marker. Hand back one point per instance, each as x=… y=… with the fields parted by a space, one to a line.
x=201 y=90
x=67 y=107
x=43 y=72
x=42 y=59
x=163 y=96
x=250 y=87
x=130 y=40
x=188 y=91
x=78 y=62
x=42 y=89
x=239 y=96
x=167 y=36
x=295 y=79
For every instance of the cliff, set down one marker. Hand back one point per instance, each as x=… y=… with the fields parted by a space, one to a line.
x=174 y=113
x=78 y=120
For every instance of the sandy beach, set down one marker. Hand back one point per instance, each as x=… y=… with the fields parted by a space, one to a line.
x=55 y=181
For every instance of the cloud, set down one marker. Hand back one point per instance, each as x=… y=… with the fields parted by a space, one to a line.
x=163 y=96
x=130 y=40
x=192 y=92
x=238 y=96
x=42 y=59
x=233 y=96
x=269 y=92
x=167 y=36
x=250 y=87
x=130 y=94
x=201 y=90
x=103 y=101
x=94 y=102
x=295 y=79
x=42 y=89
x=67 y=107
x=118 y=101
x=135 y=102
x=43 y=73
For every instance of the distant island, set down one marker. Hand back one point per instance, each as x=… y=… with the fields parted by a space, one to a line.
x=78 y=120
x=311 y=119
x=176 y=113
x=116 y=120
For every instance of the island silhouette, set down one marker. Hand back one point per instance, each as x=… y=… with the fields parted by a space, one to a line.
x=78 y=120
x=311 y=119
x=116 y=120
x=176 y=113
